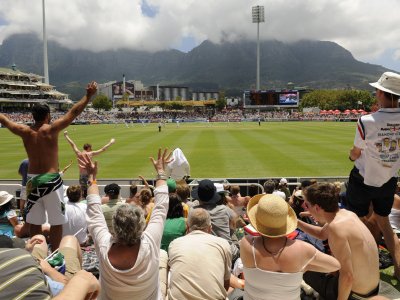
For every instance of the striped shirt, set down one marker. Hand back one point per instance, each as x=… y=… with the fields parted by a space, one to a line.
x=21 y=276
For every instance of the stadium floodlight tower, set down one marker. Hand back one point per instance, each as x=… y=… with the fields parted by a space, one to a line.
x=45 y=61
x=258 y=17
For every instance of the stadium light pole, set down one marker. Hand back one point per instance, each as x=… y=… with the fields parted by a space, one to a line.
x=258 y=17
x=45 y=61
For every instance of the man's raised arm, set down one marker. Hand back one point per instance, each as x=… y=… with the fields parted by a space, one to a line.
x=71 y=142
x=102 y=149
x=15 y=128
x=76 y=110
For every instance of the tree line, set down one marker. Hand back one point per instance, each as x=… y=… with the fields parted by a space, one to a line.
x=338 y=99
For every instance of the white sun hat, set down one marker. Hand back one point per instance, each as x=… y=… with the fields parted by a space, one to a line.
x=389 y=82
x=5 y=197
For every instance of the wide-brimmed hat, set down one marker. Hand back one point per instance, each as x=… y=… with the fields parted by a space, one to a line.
x=271 y=216
x=206 y=192
x=5 y=197
x=389 y=82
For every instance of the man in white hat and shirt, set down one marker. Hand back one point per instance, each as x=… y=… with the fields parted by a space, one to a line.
x=377 y=162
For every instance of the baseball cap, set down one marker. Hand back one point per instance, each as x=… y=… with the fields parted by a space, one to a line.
x=283 y=181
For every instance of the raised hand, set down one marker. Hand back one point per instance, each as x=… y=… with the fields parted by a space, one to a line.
x=163 y=158
x=85 y=162
x=91 y=89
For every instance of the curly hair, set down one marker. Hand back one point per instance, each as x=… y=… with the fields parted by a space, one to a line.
x=324 y=194
x=128 y=224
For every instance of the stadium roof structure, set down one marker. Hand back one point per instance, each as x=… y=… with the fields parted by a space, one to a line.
x=27 y=88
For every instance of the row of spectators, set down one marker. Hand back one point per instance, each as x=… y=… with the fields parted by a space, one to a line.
x=229 y=115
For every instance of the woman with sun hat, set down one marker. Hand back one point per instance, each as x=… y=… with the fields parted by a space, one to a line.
x=273 y=265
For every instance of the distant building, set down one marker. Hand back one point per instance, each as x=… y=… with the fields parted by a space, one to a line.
x=19 y=89
x=170 y=93
x=204 y=95
x=134 y=90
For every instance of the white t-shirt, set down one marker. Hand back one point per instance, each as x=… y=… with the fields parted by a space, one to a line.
x=378 y=135
x=280 y=194
x=76 y=214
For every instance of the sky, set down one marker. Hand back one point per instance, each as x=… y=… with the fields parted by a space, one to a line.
x=369 y=29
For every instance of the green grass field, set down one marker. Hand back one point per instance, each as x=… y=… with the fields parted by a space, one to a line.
x=221 y=150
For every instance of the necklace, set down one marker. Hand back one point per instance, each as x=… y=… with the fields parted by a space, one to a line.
x=277 y=252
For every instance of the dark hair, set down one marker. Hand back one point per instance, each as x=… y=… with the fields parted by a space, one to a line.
x=6 y=207
x=234 y=189
x=175 y=208
x=323 y=194
x=112 y=190
x=269 y=186
x=74 y=193
x=222 y=200
x=304 y=184
x=253 y=190
x=40 y=111
x=390 y=96
x=145 y=197
x=87 y=146
x=133 y=190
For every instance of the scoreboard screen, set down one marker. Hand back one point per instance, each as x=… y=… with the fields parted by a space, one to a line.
x=271 y=98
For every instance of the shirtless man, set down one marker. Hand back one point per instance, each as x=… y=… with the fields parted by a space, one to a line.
x=87 y=150
x=351 y=243
x=44 y=187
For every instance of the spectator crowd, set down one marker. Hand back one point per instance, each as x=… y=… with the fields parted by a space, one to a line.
x=210 y=241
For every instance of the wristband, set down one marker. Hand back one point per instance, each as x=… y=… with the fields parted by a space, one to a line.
x=162 y=176
x=94 y=181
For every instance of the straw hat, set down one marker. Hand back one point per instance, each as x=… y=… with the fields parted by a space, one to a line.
x=271 y=216
x=5 y=197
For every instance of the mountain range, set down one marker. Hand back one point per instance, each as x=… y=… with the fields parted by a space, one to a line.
x=229 y=66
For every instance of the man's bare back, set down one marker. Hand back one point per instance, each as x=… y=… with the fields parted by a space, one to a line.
x=347 y=235
x=41 y=139
x=41 y=144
